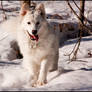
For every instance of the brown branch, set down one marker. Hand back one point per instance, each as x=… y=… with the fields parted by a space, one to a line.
x=73 y=10
x=86 y=27
x=90 y=22
x=75 y=50
x=81 y=27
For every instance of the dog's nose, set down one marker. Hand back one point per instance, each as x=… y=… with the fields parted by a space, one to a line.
x=34 y=32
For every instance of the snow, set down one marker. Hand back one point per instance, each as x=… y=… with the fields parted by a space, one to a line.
x=74 y=76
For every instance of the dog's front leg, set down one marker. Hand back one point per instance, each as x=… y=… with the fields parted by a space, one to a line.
x=42 y=78
x=32 y=69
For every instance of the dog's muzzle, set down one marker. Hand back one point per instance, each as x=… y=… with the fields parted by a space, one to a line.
x=34 y=32
x=33 y=37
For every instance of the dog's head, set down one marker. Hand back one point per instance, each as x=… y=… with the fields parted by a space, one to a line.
x=32 y=18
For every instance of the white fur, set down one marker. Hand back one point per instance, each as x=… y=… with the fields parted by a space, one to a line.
x=38 y=56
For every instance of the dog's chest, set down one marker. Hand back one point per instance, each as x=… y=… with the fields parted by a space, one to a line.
x=37 y=44
x=33 y=44
x=38 y=51
x=38 y=47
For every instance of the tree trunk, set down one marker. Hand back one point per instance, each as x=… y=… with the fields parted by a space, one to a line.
x=82 y=6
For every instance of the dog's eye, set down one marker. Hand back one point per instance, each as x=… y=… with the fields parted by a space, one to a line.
x=37 y=23
x=28 y=23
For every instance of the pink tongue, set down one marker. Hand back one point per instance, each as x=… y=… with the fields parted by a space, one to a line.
x=35 y=37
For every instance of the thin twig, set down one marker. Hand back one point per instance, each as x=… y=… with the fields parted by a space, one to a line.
x=75 y=50
x=86 y=27
x=76 y=47
x=71 y=51
x=90 y=22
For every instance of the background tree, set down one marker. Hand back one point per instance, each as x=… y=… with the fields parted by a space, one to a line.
x=81 y=28
x=72 y=55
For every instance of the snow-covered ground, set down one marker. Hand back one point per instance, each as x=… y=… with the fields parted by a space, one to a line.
x=69 y=76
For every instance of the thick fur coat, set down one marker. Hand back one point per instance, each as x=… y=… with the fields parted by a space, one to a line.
x=41 y=55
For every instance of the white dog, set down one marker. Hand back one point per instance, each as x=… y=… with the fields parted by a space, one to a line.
x=37 y=41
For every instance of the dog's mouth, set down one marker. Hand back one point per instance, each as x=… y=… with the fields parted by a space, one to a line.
x=33 y=37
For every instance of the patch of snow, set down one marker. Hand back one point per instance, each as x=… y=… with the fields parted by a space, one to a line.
x=74 y=76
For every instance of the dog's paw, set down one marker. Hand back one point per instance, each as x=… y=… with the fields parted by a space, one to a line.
x=41 y=82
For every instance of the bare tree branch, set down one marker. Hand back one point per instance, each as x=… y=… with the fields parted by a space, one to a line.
x=90 y=22
x=72 y=55
x=86 y=27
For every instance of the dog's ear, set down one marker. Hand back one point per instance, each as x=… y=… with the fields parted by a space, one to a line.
x=41 y=8
x=24 y=9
